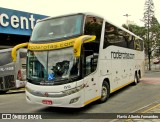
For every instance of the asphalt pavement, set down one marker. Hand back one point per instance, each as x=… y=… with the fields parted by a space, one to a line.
x=150 y=113
x=142 y=102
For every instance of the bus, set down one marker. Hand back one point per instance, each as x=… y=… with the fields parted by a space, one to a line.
x=76 y=59
x=12 y=74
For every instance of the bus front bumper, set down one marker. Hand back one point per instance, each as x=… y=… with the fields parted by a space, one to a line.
x=75 y=100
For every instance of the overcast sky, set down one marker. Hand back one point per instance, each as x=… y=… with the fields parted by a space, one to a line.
x=113 y=10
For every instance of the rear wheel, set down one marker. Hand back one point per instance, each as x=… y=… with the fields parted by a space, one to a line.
x=136 y=79
x=139 y=77
x=104 y=92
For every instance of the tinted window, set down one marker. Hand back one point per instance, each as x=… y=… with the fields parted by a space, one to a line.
x=138 y=45
x=93 y=26
x=114 y=36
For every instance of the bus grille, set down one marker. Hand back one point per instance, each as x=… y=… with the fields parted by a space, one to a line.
x=9 y=81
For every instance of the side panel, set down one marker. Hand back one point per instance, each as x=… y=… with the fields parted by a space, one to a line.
x=92 y=90
x=119 y=65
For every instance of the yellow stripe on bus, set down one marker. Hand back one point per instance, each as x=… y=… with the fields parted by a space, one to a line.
x=92 y=100
x=121 y=87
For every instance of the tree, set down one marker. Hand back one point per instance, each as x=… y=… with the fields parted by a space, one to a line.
x=154 y=36
x=149 y=20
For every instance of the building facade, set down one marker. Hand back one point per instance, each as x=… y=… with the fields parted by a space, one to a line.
x=16 y=26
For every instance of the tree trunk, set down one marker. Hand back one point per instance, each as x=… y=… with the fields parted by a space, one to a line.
x=149 y=61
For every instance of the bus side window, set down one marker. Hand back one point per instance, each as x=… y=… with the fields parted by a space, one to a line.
x=114 y=36
x=91 y=64
x=137 y=45
x=93 y=26
x=90 y=61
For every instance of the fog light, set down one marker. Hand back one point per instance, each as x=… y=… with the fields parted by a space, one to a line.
x=74 y=100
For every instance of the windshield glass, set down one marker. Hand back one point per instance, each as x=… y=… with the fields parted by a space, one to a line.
x=37 y=62
x=57 y=28
x=53 y=67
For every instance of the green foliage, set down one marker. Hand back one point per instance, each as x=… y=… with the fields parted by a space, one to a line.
x=150 y=33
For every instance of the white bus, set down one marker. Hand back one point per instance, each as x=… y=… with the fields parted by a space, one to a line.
x=76 y=59
x=12 y=74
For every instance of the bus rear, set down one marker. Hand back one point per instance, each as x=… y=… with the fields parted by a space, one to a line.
x=10 y=72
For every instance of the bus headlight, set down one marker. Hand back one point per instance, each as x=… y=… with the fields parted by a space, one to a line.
x=74 y=90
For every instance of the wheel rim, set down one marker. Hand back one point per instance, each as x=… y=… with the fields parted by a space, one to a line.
x=104 y=93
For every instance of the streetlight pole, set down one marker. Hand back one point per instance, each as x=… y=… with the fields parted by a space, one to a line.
x=127 y=15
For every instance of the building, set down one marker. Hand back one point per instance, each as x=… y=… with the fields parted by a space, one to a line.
x=16 y=26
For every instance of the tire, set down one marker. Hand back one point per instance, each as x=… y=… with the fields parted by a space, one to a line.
x=139 y=77
x=105 y=91
x=136 y=79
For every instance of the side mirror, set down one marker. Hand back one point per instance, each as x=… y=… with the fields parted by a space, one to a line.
x=78 y=43
x=14 y=50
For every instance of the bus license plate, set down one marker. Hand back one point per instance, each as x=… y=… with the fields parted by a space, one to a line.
x=48 y=102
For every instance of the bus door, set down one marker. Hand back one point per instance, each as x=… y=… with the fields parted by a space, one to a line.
x=90 y=79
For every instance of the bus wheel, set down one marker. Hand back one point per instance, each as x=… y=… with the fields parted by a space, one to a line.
x=104 y=92
x=136 y=79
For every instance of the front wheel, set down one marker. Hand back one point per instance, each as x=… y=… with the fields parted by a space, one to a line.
x=104 y=92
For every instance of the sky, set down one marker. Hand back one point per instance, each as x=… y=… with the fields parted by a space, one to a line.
x=112 y=10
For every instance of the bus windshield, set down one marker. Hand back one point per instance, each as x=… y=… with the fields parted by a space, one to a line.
x=52 y=67
x=57 y=28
